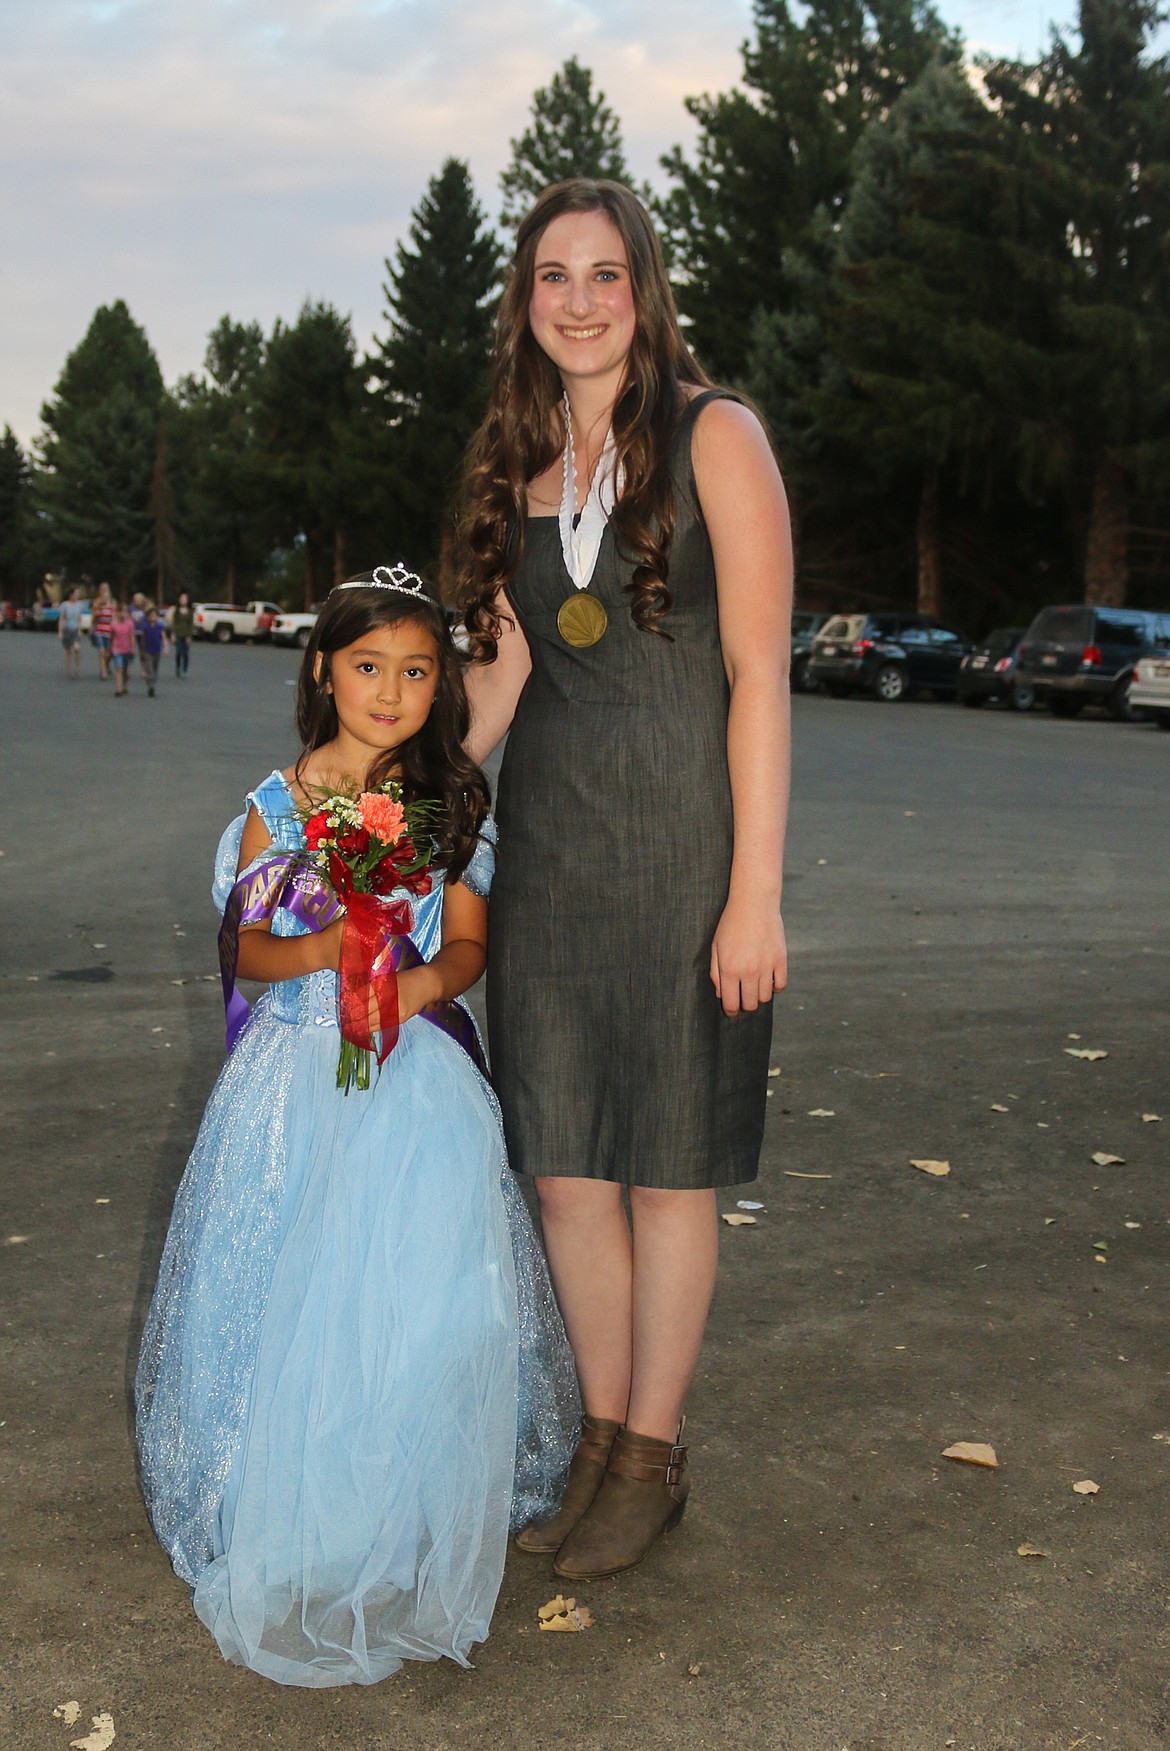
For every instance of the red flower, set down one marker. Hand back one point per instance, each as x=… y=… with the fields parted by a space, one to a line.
x=340 y=876
x=317 y=830
x=354 y=842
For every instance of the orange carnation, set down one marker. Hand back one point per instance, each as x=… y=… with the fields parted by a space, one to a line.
x=381 y=816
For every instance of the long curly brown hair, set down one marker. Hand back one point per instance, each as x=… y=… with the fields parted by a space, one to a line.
x=432 y=763
x=524 y=428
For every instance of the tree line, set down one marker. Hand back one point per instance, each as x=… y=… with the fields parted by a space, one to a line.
x=944 y=283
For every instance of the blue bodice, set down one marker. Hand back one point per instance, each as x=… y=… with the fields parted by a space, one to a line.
x=312 y=999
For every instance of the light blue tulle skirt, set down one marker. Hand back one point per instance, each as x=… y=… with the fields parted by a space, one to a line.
x=353 y=1376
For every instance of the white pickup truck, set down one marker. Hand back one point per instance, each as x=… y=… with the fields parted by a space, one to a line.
x=223 y=622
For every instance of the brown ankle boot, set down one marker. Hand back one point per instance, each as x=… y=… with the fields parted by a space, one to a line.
x=586 y=1470
x=644 y=1493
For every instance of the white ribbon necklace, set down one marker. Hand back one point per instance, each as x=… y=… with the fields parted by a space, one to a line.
x=581 y=545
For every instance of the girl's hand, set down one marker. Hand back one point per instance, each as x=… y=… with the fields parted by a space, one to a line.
x=417 y=987
x=749 y=956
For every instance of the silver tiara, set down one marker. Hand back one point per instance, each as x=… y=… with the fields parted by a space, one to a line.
x=390 y=577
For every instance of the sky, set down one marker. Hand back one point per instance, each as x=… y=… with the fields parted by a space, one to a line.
x=203 y=157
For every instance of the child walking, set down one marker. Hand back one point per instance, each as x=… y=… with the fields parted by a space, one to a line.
x=353 y=1376
x=152 y=641
x=123 y=645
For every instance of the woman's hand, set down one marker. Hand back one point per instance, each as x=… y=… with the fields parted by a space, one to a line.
x=749 y=956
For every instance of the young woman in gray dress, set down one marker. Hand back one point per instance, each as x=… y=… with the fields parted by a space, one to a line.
x=626 y=575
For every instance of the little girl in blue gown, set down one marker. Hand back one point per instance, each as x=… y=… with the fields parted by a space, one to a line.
x=353 y=1376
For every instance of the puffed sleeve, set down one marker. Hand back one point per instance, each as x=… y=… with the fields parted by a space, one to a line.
x=227 y=858
x=479 y=872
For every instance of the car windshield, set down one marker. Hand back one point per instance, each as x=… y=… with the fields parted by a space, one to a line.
x=842 y=627
x=1000 y=643
x=1063 y=626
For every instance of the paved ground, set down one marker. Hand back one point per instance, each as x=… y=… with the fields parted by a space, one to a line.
x=969 y=895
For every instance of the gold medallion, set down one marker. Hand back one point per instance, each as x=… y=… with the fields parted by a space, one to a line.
x=581 y=620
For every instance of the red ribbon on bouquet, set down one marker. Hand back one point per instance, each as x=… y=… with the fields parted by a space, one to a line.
x=368 y=970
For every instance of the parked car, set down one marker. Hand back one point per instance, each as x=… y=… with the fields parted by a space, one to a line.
x=988 y=671
x=9 y=616
x=1149 y=691
x=294 y=628
x=224 y=622
x=888 y=655
x=805 y=626
x=1076 y=656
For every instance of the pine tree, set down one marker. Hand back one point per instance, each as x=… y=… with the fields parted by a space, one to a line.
x=98 y=452
x=906 y=380
x=573 y=132
x=309 y=408
x=16 y=558
x=222 y=509
x=772 y=155
x=1092 y=123
x=431 y=369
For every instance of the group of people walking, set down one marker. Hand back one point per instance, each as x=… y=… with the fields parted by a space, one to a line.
x=361 y=1370
x=125 y=633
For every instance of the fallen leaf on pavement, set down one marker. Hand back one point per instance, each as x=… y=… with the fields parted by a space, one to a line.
x=1102 y=1158
x=1072 y=1036
x=821 y=1113
x=1048 y=1221
x=1029 y=1550
x=794 y=1173
x=996 y=1108
x=748 y=1204
x=1163 y=1435
x=1090 y=1055
x=1086 y=1487
x=736 y=1219
x=1151 y=1118
x=565 y=1614
x=973 y=1453
x=925 y=1165
x=693 y=1671
x=69 y=1712
x=1133 y=1225
x=775 y=1070
x=100 y=1739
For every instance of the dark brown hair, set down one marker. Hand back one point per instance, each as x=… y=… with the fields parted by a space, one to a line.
x=432 y=762
x=524 y=429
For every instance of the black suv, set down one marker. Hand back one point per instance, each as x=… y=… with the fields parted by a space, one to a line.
x=1073 y=656
x=889 y=655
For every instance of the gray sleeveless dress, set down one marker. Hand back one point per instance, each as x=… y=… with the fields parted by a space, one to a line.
x=611 y=1055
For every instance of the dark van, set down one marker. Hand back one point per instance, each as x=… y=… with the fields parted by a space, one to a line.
x=1076 y=656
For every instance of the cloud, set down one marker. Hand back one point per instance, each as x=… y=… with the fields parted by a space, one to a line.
x=244 y=154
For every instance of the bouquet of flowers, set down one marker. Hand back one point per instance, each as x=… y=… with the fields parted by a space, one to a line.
x=366 y=845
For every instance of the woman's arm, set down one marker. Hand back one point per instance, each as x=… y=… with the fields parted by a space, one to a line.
x=746 y=512
x=460 y=961
x=266 y=958
x=494 y=689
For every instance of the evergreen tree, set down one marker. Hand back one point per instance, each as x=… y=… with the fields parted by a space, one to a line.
x=573 y=132
x=309 y=414
x=98 y=450
x=16 y=557
x=223 y=514
x=1092 y=126
x=772 y=155
x=431 y=370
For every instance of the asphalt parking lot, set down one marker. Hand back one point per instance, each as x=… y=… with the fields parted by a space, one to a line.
x=971 y=899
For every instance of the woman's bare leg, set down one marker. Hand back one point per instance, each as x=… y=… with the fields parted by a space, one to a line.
x=590 y=1254
x=676 y=1252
